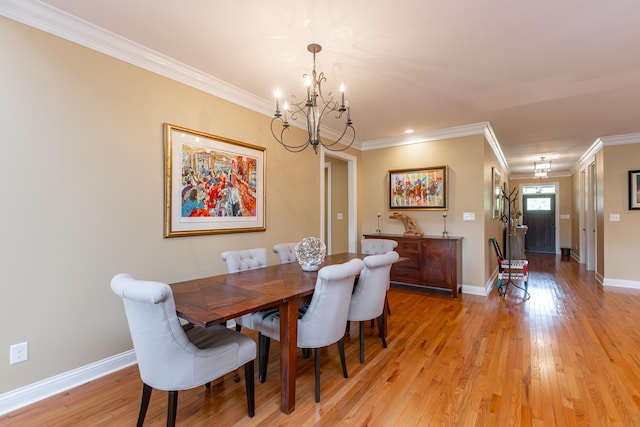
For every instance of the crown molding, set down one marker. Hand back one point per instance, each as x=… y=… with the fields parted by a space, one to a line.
x=631 y=138
x=483 y=128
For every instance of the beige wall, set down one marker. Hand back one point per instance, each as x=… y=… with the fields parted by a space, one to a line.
x=466 y=194
x=81 y=162
x=620 y=238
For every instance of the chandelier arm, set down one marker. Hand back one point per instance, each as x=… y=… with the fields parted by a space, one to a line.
x=329 y=146
x=292 y=148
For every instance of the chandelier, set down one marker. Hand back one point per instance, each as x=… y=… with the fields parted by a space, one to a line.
x=541 y=168
x=314 y=108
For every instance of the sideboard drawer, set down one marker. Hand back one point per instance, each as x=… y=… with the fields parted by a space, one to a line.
x=405 y=275
x=408 y=247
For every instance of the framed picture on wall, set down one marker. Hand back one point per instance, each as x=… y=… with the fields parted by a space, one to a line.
x=634 y=189
x=496 y=185
x=423 y=188
x=212 y=184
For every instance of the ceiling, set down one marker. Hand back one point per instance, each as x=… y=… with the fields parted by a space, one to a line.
x=550 y=77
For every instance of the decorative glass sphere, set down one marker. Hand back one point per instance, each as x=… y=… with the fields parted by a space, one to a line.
x=310 y=252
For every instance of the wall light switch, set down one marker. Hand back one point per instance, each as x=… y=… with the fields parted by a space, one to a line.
x=340 y=216
x=565 y=216
x=469 y=216
x=614 y=217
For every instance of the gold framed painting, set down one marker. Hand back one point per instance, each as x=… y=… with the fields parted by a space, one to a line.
x=212 y=184
x=422 y=188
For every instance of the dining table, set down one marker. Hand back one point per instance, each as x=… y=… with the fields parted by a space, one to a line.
x=216 y=299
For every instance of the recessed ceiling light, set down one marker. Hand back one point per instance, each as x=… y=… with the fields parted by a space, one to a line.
x=408 y=131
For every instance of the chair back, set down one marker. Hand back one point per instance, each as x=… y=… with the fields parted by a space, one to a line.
x=160 y=343
x=377 y=246
x=286 y=252
x=367 y=300
x=246 y=259
x=325 y=320
x=496 y=248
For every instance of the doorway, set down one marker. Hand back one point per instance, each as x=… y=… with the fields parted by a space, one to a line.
x=328 y=192
x=540 y=215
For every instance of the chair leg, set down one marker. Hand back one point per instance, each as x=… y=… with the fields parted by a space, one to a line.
x=250 y=386
x=238 y=327
x=348 y=327
x=381 y=330
x=342 y=359
x=264 y=345
x=388 y=308
x=316 y=355
x=144 y=404
x=361 y=342
x=172 y=408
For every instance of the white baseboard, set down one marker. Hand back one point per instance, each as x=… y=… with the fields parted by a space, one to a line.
x=632 y=284
x=23 y=396
x=476 y=290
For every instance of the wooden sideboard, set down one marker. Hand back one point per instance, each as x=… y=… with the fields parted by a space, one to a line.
x=433 y=261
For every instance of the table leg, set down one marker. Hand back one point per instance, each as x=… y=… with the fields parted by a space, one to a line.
x=288 y=349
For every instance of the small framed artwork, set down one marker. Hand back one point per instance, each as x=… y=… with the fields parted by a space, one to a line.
x=212 y=184
x=634 y=189
x=496 y=192
x=423 y=188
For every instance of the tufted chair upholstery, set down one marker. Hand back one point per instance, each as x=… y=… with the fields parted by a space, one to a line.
x=377 y=246
x=367 y=300
x=286 y=252
x=172 y=359
x=323 y=322
x=247 y=259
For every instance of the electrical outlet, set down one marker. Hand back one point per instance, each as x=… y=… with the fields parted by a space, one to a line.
x=18 y=353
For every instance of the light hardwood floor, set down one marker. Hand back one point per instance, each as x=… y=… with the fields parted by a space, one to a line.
x=570 y=355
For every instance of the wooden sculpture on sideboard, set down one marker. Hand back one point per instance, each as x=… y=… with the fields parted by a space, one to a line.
x=411 y=227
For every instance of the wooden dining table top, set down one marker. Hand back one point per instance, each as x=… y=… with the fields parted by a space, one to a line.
x=215 y=299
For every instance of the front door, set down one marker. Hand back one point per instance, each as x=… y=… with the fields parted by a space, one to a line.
x=540 y=216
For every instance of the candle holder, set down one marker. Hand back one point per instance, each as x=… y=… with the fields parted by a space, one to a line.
x=444 y=233
x=378 y=229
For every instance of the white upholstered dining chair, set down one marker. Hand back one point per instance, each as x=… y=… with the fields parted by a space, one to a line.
x=323 y=322
x=172 y=359
x=286 y=252
x=378 y=247
x=240 y=260
x=369 y=295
